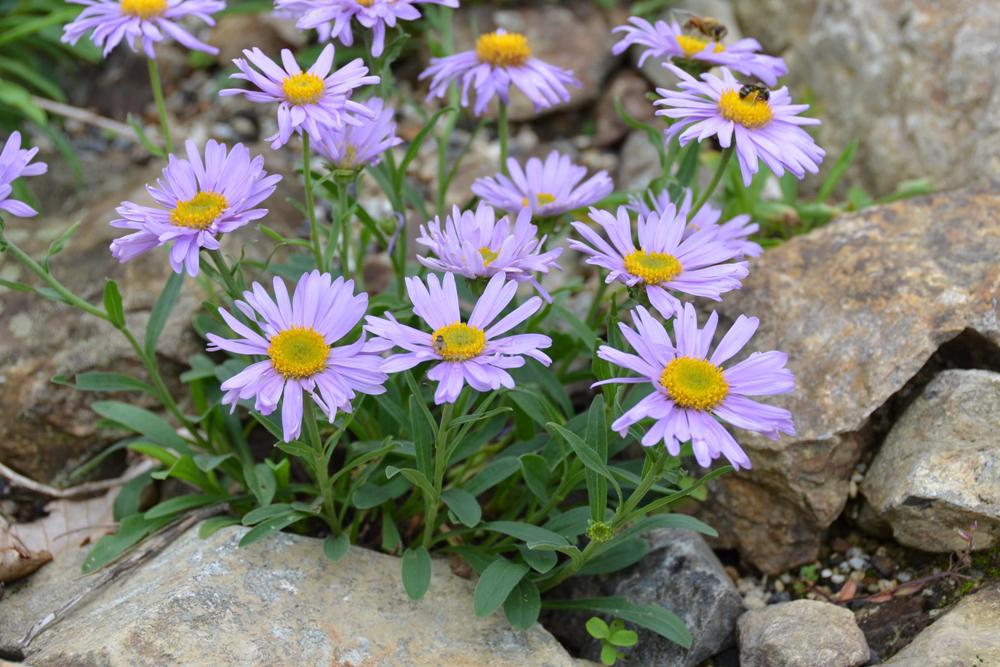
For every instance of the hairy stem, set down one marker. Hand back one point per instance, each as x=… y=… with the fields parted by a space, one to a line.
x=161 y=106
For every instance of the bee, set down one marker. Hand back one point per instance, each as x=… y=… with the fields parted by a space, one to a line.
x=439 y=345
x=760 y=92
x=707 y=26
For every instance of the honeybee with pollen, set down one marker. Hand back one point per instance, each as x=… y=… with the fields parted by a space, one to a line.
x=707 y=26
x=756 y=92
x=439 y=345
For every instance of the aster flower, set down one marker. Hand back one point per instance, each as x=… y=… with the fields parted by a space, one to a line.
x=668 y=40
x=665 y=261
x=15 y=162
x=691 y=388
x=297 y=337
x=477 y=245
x=734 y=232
x=333 y=18
x=196 y=201
x=764 y=124
x=499 y=60
x=357 y=146
x=475 y=351
x=545 y=188
x=148 y=21
x=310 y=100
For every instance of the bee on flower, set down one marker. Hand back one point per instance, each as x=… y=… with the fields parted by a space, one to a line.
x=15 y=162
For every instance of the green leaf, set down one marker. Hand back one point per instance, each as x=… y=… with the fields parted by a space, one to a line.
x=207 y=463
x=577 y=327
x=597 y=628
x=624 y=638
x=609 y=655
x=414 y=148
x=391 y=539
x=142 y=421
x=335 y=548
x=597 y=434
x=682 y=521
x=536 y=475
x=587 y=454
x=57 y=246
x=131 y=530
x=539 y=561
x=416 y=572
x=97 y=381
x=523 y=605
x=259 y=514
x=423 y=436
x=129 y=498
x=161 y=311
x=536 y=406
x=186 y=470
x=617 y=557
x=652 y=617
x=183 y=503
x=495 y=584
x=261 y=482
x=533 y=536
x=214 y=524
x=837 y=172
x=113 y=304
x=415 y=476
x=492 y=474
x=268 y=527
x=140 y=134
x=464 y=505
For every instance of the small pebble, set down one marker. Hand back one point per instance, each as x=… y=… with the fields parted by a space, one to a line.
x=786 y=578
x=838 y=579
x=779 y=585
x=904 y=576
x=826 y=573
x=858 y=563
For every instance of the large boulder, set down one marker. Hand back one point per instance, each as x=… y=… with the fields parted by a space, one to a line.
x=282 y=602
x=801 y=633
x=939 y=468
x=860 y=306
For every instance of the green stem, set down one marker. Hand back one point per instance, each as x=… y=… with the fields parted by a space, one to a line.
x=624 y=514
x=440 y=464
x=227 y=277
x=503 y=129
x=727 y=154
x=161 y=106
x=314 y=239
x=320 y=464
x=344 y=210
x=50 y=280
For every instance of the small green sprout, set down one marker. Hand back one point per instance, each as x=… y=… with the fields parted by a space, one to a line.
x=613 y=638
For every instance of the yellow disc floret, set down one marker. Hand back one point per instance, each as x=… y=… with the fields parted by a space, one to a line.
x=751 y=111
x=488 y=255
x=299 y=352
x=458 y=342
x=653 y=267
x=695 y=384
x=143 y=9
x=508 y=49
x=693 y=46
x=366 y=3
x=543 y=198
x=303 y=88
x=200 y=211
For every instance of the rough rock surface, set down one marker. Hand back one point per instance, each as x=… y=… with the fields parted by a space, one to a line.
x=281 y=602
x=859 y=306
x=682 y=574
x=905 y=78
x=939 y=468
x=966 y=635
x=801 y=633
x=574 y=35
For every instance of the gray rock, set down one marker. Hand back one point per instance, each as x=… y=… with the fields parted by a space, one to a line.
x=939 y=468
x=640 y=162
x=860 y=307
x=801 y=633
x=907 y=79
x=966 y=635
x=282 y=602
x=683 y=575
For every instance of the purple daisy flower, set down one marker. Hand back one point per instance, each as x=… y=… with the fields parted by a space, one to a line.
x=669 y=40
x=144 y=20
x=764 y=123
x=309 y=100
x=15 y=162
x=297 y=338
x=735 y=232
x=357 y=146
x=499 y=60
x=665 y=260
x=691 y=388
x=472 y=352
x=332 y=19
x=545 y=188
x=196 y=202
x=477 y=245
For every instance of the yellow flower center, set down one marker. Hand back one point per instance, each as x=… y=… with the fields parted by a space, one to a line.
x=303 y=88
x=653 y=267
x=143 y=9
x=503 y=50
x=458 y=342
x=693 y=45
x=488 y=255
x=544 y=199
x=200 y=211
x=696 y=384
x=366 y=3
x=750 y=111
x=299 y=352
